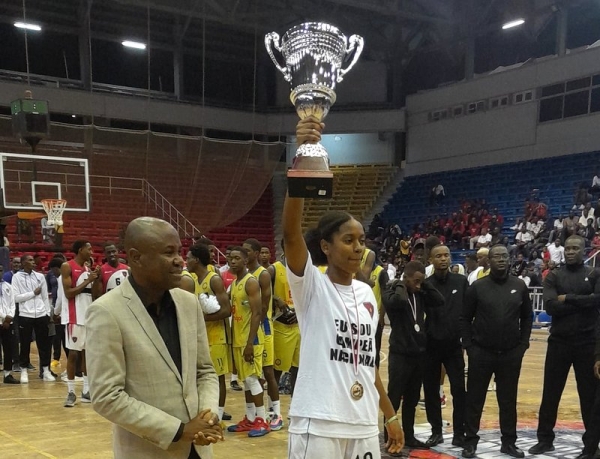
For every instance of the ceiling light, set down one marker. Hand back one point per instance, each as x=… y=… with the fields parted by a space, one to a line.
x=515 y=23
x=73 y=116
x=337 y=138
x=133 y=44
x=28 y=26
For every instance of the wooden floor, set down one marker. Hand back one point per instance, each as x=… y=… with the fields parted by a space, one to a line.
x=34 y=424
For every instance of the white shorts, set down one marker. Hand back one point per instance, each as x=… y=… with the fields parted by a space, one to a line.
x=309 y=446
x=75 y=337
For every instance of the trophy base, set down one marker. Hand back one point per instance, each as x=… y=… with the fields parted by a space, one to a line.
x=310 y=184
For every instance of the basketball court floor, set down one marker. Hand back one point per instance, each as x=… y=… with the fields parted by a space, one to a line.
x=34 y=424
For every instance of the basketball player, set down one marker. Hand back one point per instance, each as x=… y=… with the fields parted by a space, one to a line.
x=77 y=279
x=286 y=333
x=112 y=273
x=265 y=257
x=226 y=274
x=367 y=263
x=264 y=279
x=379 y=278
x=248 y=340
x=212 y=267
x=200 y=281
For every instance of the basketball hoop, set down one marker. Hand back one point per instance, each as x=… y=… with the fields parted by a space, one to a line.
x=54 y=209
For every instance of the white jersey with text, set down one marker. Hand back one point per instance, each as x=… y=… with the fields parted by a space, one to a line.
x=337 y=325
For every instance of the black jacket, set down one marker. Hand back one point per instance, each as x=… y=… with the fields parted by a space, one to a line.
x=443 y=323
x=575 y=318
x=497 y=314
x=404 y=339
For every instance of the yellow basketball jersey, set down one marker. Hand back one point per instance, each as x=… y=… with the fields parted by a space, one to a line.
x=363 y=260
x=257 y=274
x=322 y=268
x=483 y=273
x=282 y=287
x=377 y=288
x=211 y=269
x=242 y=314
x=216 y=330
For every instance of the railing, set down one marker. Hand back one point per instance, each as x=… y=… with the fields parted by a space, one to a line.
x=163 y=206
x=592 y=260
x=537 y=301
x=169 y=212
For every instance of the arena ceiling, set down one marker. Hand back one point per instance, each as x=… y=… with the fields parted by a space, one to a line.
x=436 y=32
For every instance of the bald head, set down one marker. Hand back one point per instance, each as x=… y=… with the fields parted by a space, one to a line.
x=154 y=252
x=145 y=230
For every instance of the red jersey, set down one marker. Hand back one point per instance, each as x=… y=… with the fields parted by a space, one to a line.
x=228 y=278
x=112 y=277
x=78 y=305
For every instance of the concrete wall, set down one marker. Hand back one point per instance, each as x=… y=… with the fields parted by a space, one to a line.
x=502 y=135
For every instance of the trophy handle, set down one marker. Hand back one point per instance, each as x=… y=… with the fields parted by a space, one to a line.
x=356 y=44
x=272 y=41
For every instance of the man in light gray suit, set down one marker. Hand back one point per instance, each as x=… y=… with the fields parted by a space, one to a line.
x=148 y=359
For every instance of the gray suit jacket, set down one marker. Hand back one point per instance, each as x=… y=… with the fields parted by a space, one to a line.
x=134 y=382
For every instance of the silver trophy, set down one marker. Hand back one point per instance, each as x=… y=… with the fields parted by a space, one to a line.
x=314 y=53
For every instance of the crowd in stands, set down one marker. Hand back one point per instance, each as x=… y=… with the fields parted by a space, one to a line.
x=535 y=241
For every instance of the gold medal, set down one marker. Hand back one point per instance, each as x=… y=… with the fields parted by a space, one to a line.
x=357 y=391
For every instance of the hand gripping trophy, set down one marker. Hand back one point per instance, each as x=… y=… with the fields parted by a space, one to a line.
x=314 y=53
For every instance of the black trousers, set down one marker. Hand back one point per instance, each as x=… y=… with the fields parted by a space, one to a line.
x=452 y=359
x=16 y=339
x=559 y=358
x=7 y=337
x=506 y=367
x=194 y=454
x=405 y=378
x=591 y=437
x=39 y=325
x=58 y=340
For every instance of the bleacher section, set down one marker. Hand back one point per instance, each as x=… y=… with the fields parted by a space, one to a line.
x=114 y=206
x=505 y=186
x=355 y=190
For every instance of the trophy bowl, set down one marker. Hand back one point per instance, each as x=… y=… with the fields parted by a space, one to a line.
x=314 y=54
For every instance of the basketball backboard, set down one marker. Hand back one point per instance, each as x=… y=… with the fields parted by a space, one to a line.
x=26 y=179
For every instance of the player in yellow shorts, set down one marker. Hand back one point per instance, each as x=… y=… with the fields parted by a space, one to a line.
x=264 y=279
x=285 y=325
x=208 y=285
x=248 y=339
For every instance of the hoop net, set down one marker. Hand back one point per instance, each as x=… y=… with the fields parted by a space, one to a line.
x=54 y=209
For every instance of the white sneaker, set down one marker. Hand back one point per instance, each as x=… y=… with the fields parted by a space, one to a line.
x=24 y=376
x=48 y=377
x=63 y=376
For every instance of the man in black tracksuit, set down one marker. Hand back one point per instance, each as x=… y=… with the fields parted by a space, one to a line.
x=404 y=303
x=495 y=325
x=444 y=347
x=572 y=298
x=592 y=434
x=592 y=437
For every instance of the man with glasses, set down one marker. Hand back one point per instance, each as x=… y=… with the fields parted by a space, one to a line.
x=495 y=327
x=572 y=298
